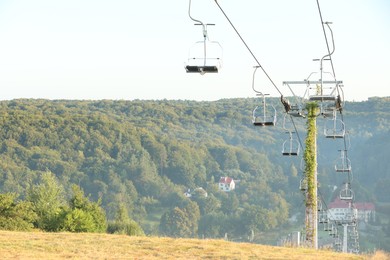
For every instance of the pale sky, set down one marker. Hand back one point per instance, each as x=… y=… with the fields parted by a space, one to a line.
x=127 y=49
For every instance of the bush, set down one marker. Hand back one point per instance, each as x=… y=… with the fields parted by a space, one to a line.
x=15 y=215
x=130 y=228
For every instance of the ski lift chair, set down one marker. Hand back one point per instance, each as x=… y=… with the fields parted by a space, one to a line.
x=319 y=205
x=334 y=128
x=290 y=146
x=343 y=164
x=354 y=215
x=346 y=193
x=322 y=98
x=354 y=234
x=337 y=241
x=328 y=226
x=199 y=60
x=327 y=110
x=264 y=115
x=296 y=111
x=322 y=217
x=303 y=184
x=322 y=91
x=333 y=231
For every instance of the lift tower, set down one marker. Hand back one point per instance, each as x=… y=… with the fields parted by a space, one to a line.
x=320 y=98
x=310 y=157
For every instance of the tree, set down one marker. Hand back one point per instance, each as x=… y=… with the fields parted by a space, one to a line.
x=174 y=223
x=123 y=224
x=47 y=198
x=15 y=215
x=257 y=218
x=212 y=225
x=181 y=222
x=83 y=215
x=208 y=204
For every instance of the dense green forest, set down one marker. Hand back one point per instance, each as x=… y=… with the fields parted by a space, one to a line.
x=142 y=156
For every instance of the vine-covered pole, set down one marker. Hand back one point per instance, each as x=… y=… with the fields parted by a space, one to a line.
x=310 y=158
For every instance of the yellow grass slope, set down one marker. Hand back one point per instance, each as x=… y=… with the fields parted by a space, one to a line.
x=37 y=245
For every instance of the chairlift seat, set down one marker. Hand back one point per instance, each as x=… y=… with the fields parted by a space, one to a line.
x=290 y=147
x=263 y=120
x=328 y=226
x=323 y=218
x=322 y=98
x=334 y=128
x=346 y=194
x=303 y=184
x=334 y=135
x=290 y=153
x=201 y=69
x=264 y=123
x=340 y=168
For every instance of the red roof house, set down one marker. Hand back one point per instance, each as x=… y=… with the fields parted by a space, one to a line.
x=226 y=184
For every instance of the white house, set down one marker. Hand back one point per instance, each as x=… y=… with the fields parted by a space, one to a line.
x=226 y=184
x=340 y=210
x=196 y=193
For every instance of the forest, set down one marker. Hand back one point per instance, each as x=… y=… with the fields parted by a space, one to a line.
x=156 y=164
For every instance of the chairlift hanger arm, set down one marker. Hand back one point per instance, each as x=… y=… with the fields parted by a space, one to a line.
x=253 y=82
x=198 y=22
x=193 y=19
x=333 y=45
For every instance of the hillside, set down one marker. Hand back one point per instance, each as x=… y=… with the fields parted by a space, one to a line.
x=146 y=154
x=100 y=246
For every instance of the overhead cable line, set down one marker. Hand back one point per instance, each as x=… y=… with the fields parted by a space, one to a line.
x=326 y=38
x=246 y=45
x=258 y=63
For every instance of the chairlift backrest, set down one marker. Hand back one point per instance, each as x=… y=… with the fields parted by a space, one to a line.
x=343 y=164
x=204 y=57
x=322 y=217
x=334 y=128
x=346 y=193
x=264 y=115
x=333 y=231
x=319 y=205
x=327 y=110
x=328 y=226
x=291 y=147
x=303 y=184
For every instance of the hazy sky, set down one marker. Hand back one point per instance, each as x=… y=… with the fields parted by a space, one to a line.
x=127 y=49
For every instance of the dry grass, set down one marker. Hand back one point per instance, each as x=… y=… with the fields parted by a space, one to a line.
x=380 y=255
x=37 y=245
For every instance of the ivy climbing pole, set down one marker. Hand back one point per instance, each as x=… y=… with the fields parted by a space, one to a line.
x=310 y=157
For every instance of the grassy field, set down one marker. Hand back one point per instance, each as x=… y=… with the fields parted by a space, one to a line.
x=38 y=245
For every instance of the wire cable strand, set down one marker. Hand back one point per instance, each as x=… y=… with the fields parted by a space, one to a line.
x=326 y=38
x=246 y=45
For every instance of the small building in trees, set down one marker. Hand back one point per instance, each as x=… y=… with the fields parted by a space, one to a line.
x=226 y=184
x=197 y=192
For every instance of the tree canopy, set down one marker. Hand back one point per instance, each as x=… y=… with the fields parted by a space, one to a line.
x=144 y=155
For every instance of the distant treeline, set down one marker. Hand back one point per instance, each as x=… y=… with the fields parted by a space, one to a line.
x=140 y=157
